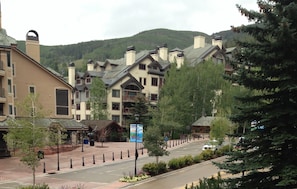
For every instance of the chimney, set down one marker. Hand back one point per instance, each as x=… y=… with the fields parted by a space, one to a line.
x=71 y=74
x=130 y=55
x=32 y=45
x=217 y=40
x=163 y=52
x=90 y=65
x=199 y=42
x=180 y=60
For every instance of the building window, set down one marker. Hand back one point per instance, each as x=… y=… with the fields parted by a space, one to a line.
x=144 y=81
x=13 y=70
x=115 y=118
x=9 y=86
x=115 y=106
x=78 y=81
x=8 y=59
x=77 y=106
x=10 y=109
x=154 y=81
x=140 y=80
x=141 y=66
x=154 y=97
x=115 y=93
x=87 y=93
x=88 y=80
x=14 y=91
x=78 y=117
x=88 y=117
x=31 y=89
x=62 y=104
x=88 y=106
x=77 y=94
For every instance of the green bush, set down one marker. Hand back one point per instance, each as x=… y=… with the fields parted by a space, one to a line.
x=162 y=167
x=197 y=159
x=150 y=169
x=189 y=160
x=174 y=163
x=206 y=155
x=43 y=186
x=224 y=150
x=154 y=168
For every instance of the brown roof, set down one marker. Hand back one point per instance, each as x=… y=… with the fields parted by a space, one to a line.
x=99 y=124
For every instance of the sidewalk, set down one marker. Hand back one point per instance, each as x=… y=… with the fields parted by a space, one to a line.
x=12 y=170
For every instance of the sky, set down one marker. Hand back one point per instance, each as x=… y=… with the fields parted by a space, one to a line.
x=63 y=22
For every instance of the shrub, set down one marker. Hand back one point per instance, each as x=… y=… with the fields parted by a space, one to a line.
x=197 y=159
x=150 y=168
x=206 y=155
x=155 y=168
x=162 y=167
x=174 y=163
x=189 y=160
x=43 y=186
x=224 y=150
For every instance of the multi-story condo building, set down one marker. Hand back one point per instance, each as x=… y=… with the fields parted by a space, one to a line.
x=21 y=74
x=136 y=73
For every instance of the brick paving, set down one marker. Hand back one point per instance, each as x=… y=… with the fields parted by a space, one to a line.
x=14 y=172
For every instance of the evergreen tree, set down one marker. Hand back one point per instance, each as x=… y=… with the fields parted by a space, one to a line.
x=98 y=99
x=267 y=65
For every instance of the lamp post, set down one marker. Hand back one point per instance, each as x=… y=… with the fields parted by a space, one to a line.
x=136 y=153
x=58 y=156
x=82 y=139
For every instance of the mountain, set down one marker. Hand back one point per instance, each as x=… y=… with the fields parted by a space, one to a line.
x=58 y=57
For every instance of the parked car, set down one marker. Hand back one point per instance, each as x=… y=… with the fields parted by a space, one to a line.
x=211 y=145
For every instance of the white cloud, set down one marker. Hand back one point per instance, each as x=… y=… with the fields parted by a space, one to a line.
x=73 y=21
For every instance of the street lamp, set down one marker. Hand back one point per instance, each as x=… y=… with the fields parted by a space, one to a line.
x=136 y=153
x=82 y=140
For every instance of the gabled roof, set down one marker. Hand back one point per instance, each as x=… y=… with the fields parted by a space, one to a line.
x=132 y=80
x=195 y=56
x=68 y=124
x=93 y=74
x=41 y=66
x=6 y=40
x=204 y=121
x=97 y=125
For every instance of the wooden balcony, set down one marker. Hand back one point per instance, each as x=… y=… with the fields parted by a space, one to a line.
x=130 y=95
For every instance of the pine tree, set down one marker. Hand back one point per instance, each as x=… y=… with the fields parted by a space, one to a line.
x=98 y=99
x=267 y=66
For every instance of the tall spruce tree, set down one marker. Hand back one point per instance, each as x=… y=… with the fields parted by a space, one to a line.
x=267 y=65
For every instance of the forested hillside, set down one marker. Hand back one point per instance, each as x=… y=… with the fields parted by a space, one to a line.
x=58 y=57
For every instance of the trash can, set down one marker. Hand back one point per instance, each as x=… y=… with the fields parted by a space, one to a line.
x=40 y=154
x=92 y=142
x=86 y=141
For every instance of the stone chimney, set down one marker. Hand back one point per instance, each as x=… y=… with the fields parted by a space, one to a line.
x=217 y=40
x=90 y=65
x=71 y=74
x=180 y=60
x=163 y=52
x=199 y=42
x=32 y=45
x=130 y=55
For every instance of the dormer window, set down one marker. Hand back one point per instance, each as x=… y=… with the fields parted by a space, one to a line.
x=88 y=80
x=141 y=66
x=78 y=81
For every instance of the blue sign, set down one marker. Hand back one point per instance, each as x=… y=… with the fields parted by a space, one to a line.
x=136 y=132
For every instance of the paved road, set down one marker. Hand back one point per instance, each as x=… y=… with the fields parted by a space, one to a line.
x=103 y=175
x=179 y=178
